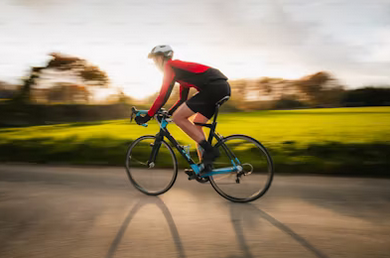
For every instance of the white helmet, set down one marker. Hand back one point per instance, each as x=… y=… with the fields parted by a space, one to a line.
x=164 y=50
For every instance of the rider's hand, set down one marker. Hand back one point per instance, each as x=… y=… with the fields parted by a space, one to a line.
x=142 y=119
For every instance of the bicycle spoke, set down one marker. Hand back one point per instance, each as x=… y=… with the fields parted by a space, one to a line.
x=135 y=161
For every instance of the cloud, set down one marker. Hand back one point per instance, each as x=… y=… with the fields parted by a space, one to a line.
x=381 y=47
x=245 y=38
x=288 y=41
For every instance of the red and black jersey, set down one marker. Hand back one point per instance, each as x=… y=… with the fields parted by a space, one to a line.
x=188 y=75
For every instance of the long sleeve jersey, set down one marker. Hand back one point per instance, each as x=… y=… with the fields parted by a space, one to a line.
x=188 y=75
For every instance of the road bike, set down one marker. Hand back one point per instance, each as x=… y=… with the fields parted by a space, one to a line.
x=242 y=173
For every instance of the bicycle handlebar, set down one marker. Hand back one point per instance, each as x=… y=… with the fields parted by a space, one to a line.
x=135 y=112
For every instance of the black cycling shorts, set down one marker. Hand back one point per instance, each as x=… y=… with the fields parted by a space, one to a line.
x=205 y=101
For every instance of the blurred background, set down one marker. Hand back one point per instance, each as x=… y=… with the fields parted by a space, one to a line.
x=310 y=80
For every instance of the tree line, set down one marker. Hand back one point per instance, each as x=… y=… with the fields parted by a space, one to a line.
x=312 y=91
x=46 y=85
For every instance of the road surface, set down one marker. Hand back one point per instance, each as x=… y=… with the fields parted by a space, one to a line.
x=54 y=211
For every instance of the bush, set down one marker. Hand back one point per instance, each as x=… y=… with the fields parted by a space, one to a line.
x=34 y=114
x=288 y=103
x=368 y=96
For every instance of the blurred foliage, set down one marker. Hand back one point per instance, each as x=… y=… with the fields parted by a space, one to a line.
x=91 y=75
x=368 y=96
x=316 y=90
x=7 y=90
x=33 y=114
x=63 y=92
x=288 y=103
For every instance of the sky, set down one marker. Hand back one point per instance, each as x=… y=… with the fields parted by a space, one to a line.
x=242 y=38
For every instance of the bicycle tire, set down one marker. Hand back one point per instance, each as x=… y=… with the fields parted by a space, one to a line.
x=131 y=175
x=270 y=170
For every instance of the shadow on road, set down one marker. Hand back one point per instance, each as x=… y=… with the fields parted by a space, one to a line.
x=171 y=223
x=239 y=214
x=249 y=212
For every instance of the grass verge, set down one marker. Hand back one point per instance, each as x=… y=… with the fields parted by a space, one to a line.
x=345 y=141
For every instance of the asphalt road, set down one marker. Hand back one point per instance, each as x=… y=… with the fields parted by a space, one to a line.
x=53 y=211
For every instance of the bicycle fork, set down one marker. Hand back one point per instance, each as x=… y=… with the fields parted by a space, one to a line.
x=155 y=148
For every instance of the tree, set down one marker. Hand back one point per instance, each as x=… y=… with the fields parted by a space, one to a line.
x=91 y=75
x=239 y=91
x=319 y=88
x=24 y=95
x=68 y=93
x=7 y=91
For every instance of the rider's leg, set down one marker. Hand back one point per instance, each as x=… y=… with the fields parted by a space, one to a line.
x=180 y=117
x=199 y=118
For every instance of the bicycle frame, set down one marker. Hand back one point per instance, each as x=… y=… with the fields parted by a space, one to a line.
x=236 y=165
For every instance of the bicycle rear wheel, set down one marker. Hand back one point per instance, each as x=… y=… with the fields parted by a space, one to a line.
x=151 y=179
x=256 y=177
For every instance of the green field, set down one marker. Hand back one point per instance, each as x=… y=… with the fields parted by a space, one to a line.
x=339 y=140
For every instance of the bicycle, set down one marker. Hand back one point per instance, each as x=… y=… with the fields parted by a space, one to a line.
x=242 y=157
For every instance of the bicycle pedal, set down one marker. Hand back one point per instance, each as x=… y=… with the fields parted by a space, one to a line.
x=191 y=174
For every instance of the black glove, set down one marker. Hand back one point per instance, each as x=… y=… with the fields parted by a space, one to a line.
x=142 y=119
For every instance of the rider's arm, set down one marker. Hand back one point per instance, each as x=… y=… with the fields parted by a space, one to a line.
x=165 y=92
x=183 y=97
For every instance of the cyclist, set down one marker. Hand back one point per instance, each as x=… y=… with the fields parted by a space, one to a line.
x=211 y=85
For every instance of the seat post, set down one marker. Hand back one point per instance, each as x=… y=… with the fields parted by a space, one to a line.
x=216 y=114
x=219 y=103
x=213 y=125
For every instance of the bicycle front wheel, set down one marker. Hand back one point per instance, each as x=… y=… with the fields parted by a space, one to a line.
x=257 y=169
x=155 y=178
